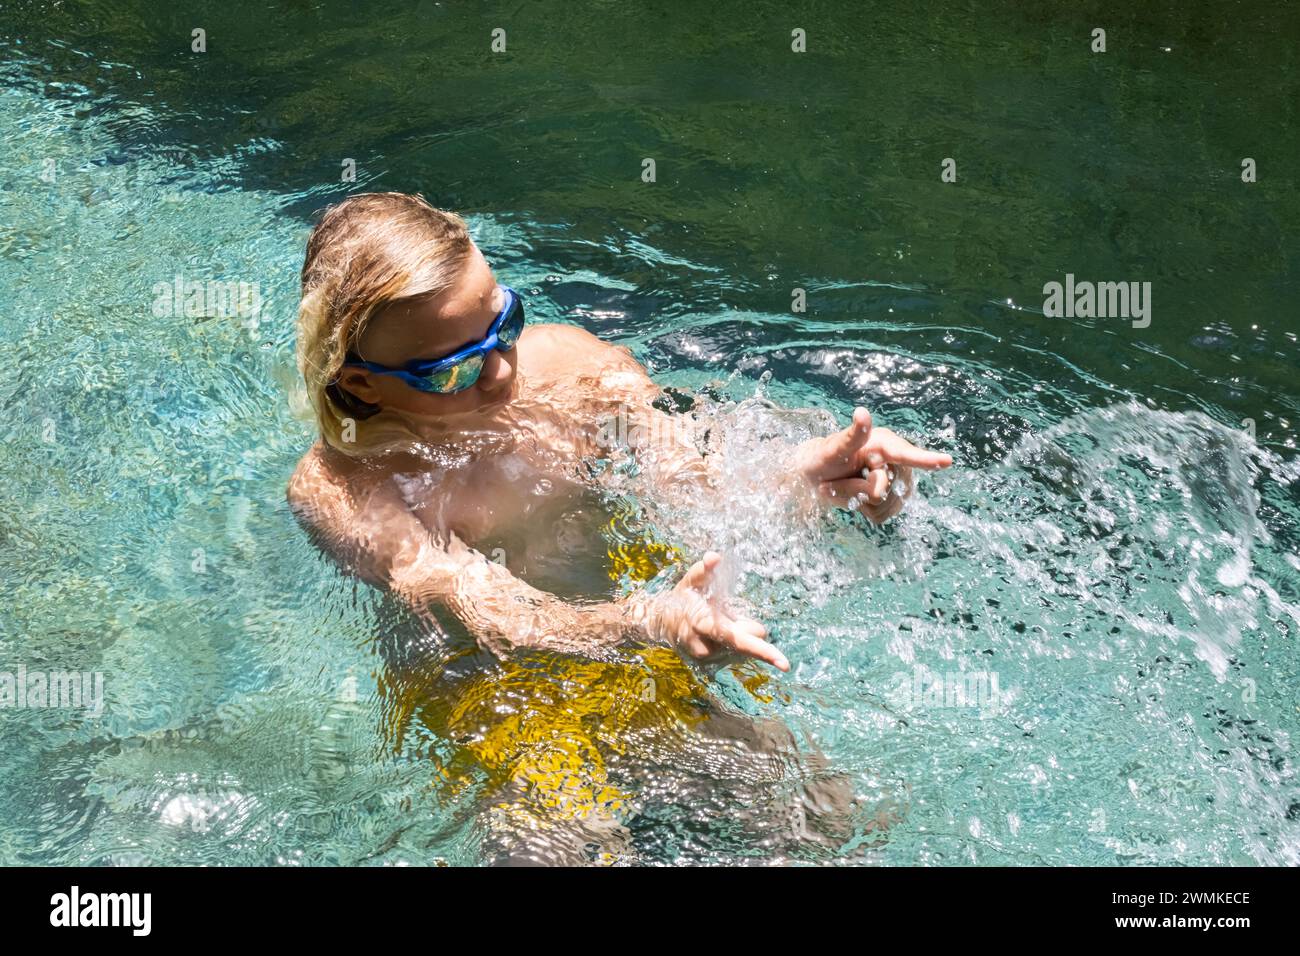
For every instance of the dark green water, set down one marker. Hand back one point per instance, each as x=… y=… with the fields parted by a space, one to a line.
x=1124 y=593
x=788 y=170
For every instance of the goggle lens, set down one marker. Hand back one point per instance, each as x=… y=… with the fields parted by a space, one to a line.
x=459 y=377
x=512 y=326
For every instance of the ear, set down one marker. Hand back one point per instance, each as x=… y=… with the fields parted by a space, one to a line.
x=357 y=382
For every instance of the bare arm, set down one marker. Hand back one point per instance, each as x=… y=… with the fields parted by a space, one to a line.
x=380 y=540
x=504 y=613
x=862 y=468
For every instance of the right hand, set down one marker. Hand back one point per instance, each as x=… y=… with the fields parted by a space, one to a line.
x=857 y=467
x=687 y=617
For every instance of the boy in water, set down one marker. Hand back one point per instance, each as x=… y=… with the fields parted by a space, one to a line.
x=446 y=425
x=409 y=347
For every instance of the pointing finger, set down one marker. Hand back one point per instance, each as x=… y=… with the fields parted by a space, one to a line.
x=746 y=643
x=899 y=451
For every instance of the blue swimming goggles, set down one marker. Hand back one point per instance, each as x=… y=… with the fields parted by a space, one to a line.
x=461 y=369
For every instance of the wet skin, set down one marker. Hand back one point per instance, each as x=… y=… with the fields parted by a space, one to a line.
x=409 y=520
x=501 y=464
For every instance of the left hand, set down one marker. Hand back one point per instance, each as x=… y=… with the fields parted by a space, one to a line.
x=857 y=468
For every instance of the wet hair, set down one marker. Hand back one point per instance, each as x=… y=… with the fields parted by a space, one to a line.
x=368 y=251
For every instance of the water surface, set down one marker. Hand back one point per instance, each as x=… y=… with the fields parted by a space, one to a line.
x=1117 y=542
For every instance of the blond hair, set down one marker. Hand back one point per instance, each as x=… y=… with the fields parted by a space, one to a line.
x=366 y=252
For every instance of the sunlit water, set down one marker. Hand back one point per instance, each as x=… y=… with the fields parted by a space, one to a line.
x=1105 y=592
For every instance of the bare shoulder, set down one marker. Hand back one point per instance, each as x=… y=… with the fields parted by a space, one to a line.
x=328 y=486
x=352 y=510
x=574 y=353
x=566 y=340
x=318 y=491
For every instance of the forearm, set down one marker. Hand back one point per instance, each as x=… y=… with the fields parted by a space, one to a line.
x=506 y=615
x=540 y=621
x=680 y=468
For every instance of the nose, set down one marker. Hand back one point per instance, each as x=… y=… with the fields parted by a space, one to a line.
x=498 y=370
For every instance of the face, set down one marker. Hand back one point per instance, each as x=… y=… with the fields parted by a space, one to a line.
x=432 y=328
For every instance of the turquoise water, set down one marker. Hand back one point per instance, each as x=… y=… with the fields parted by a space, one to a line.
x=1117 y=544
